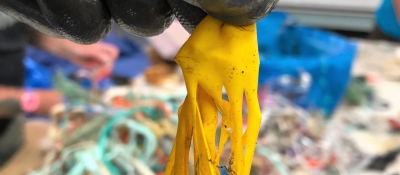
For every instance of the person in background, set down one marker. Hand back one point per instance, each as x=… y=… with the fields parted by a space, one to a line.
x=387 y=22
x=14 y=36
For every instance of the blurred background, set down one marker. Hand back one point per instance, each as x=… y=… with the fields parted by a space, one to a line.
x=329 y=91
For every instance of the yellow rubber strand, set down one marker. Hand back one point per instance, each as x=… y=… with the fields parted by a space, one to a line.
x=226 y=125
x=217 y=55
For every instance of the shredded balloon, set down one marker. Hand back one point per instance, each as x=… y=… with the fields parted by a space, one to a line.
x=217 y=55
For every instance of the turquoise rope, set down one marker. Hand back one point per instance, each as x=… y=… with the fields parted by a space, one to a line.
x=274 y=159
x=86 y=161
x=103 y=138
x=150 y=141
x=109 y=126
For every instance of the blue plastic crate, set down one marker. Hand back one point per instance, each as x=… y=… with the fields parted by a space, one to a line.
x=286 y=46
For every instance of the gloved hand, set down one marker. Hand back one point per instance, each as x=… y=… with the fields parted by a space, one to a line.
x=88 y=21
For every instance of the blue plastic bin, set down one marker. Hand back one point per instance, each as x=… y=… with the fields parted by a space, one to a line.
x=286 y=46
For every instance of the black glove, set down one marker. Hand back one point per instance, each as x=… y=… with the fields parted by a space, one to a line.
x=88 y=21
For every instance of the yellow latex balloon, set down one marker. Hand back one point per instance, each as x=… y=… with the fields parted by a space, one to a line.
x=217 y=55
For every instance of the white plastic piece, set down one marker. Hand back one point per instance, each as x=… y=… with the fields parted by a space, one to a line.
x=170 y=41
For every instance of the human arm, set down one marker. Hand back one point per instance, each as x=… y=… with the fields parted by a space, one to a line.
x=396 y=4
x=48 y=98
x=87 y=56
